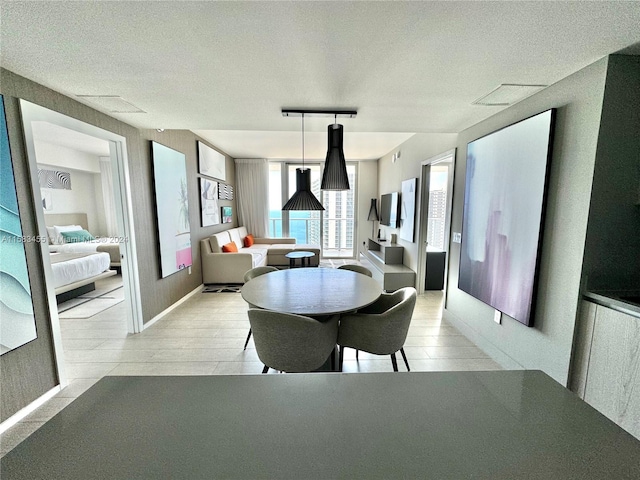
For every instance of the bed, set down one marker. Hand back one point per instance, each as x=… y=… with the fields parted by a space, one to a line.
x=77 y=266
x=107 y=245
x=75 y=274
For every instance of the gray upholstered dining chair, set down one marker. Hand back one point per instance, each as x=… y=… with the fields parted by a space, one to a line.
x=253 y=273
x=380 y=328
x=357 y=269
x=292 y=343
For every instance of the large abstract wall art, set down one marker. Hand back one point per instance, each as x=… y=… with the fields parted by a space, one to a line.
x=17 y=321
x=503 y=213
x=172 y=206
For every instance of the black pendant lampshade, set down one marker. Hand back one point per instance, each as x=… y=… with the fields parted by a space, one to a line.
x=335 y=167
x=303 y=199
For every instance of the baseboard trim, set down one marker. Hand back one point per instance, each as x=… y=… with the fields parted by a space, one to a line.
x=482 y=343
x=20 y=414
x=198 y=289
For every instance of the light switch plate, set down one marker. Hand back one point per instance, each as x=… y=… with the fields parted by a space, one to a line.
x=497 y=317
x=457 y=237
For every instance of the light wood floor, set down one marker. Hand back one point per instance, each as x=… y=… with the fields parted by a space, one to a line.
x=205 y=336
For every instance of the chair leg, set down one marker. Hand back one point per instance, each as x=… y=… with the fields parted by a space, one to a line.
x=265 y=369
x=394 y=362
x=357 y=351
x=340 y=358
x=247 y=342
x=404 y=357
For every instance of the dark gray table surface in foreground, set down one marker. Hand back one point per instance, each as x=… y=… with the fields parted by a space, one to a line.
x=453 y=425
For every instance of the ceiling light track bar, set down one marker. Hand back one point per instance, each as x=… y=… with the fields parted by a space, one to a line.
x=298 y=112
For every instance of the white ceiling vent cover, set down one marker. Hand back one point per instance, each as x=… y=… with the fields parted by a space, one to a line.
x=507 y=94
x=112 y=103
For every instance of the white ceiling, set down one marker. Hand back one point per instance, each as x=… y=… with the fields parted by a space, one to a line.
x=50 y=133
x=226 y=69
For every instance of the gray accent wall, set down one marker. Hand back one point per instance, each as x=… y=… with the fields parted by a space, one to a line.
x=29 y=371
x=548 y=344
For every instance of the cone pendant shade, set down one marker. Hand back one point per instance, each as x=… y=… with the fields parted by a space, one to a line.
x=335 y=167
x=303 y=199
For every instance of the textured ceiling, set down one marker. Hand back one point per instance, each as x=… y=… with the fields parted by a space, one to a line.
x=220 y=68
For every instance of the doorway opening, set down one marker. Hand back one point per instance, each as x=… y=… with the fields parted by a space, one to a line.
x=436 y=194
x=70 y=154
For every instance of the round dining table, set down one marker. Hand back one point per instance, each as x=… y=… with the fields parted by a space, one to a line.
x=311 y=291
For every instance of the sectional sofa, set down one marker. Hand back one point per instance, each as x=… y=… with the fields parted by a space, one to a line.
x=230 y=267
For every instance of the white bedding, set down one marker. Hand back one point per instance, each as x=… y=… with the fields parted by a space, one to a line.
x=78 y=269
x=83 y=247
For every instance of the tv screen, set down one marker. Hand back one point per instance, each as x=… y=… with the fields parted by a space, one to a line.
x=389 y=210
x=503 y=213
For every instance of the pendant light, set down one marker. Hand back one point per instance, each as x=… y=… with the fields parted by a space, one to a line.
x=303 y=199
x=335 y=167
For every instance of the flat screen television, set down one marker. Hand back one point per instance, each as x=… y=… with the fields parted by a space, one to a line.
x=389 y=210
x=503 y=214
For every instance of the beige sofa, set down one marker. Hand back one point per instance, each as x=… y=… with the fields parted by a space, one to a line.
x=221 y=267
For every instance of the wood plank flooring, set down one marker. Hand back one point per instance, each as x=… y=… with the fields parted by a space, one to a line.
x=205 y=336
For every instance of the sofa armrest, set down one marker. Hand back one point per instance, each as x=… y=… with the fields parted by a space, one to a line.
x=270 y=240
x=225 y=267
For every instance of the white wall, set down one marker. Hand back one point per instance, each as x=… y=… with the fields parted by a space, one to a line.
x=66 y=158
x=367 y=189
x=82 y=198
x=414 y=151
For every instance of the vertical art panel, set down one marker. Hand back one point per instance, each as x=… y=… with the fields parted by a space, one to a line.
x=17 y=324
x=172 y=205
x=408 y=209
x=503 y=214
x=209 y=213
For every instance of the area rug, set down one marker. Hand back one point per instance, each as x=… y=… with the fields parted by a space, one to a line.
x=88 y=306
x=232 y=288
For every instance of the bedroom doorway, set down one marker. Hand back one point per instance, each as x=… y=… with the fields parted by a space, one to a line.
x=436 y=195
x=34 y=117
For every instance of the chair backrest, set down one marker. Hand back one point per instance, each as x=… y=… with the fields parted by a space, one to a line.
x=382 y=333
x=356 y=268
x=257 y=271
x=292 y=343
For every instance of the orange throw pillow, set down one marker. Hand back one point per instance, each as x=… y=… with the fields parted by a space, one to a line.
x=230 y=247
x=248 y=240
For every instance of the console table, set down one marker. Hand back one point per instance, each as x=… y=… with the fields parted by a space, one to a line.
x=385 y=258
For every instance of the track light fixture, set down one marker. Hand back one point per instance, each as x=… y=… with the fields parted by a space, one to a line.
x=334 y=176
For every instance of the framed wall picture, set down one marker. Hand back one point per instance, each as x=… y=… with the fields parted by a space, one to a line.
x=503 y=210
x=227 y=214
x=172 y=207
x=210 y=162
x=18 y=325
x=209 y=212
x=408 y=209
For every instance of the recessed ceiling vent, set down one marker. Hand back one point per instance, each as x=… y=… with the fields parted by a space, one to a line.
x=112 y=103
x=507 y=94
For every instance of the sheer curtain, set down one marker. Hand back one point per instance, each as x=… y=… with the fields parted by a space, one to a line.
x=107 y=197
x=252 y=195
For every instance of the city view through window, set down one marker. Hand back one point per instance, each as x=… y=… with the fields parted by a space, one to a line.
x=333 y=228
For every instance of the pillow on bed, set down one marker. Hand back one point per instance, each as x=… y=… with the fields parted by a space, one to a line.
x=77 y=236
x=51 y=232
x=58 y=229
